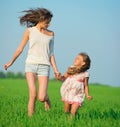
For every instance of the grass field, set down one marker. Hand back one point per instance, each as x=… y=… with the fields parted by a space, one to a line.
x=102 y=111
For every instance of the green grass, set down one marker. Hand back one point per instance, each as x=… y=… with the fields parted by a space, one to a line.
x=102 y=111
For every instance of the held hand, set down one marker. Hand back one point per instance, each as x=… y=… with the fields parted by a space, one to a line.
x=7 y=65
x=58 y=75
x=89 y=97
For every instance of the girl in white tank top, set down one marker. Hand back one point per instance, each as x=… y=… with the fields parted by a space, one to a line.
x=40 y=54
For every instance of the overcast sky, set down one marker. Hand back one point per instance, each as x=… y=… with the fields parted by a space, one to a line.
x=91 y=26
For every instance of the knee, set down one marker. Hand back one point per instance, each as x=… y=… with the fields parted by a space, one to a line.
x=66 y=110
x=41 y=99
x=74 y=109
x=67 y=107
x=73 y=112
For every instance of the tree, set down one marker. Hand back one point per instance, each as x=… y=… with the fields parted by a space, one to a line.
x=20 y=75
x=2 y=74
x=10 y=74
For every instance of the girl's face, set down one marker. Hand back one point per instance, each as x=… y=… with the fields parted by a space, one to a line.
x=78 y=62
x=45 y=24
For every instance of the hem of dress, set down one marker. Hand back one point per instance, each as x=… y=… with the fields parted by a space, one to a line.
x=72 y=102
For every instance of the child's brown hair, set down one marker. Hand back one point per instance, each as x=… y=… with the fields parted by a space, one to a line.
x=86 y=66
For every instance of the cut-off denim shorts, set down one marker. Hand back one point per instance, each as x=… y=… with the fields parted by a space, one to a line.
x=38 y=69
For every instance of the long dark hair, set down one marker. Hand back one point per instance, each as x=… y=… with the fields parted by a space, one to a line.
x=33 y=16
x=85 y=67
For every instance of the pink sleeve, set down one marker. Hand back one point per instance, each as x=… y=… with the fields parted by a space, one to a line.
x=86 y=74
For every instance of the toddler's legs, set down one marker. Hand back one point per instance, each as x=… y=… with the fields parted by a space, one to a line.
x=74 y=109
x=42 y=91
x=67 y=107
x=31 y=79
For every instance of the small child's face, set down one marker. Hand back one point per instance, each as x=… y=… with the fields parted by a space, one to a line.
x=78 y=62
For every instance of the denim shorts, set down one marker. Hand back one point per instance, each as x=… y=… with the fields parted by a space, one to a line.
x=38 y=69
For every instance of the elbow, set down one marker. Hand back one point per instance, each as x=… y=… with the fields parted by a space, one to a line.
x=19 y=50
x=51 y=59
x=51 y=56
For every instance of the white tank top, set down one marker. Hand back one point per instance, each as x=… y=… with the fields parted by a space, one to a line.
x=40 y=47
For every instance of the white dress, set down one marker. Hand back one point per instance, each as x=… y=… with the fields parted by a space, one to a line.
x=72 y=89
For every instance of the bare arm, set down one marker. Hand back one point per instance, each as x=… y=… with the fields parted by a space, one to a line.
x=19 y=49
x=62 y=77
x=54 y=66
x=87 y=88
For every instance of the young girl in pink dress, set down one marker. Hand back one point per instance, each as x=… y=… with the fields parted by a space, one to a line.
x=75 y=85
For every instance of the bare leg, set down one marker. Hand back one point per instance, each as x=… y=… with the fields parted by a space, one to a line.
x=42 y=91
x=31 y=79
x=74 y=109
x=67 y=107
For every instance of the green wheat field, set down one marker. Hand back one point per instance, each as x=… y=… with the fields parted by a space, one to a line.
x=102 y=111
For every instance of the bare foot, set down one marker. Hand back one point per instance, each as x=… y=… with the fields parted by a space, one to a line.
x=47 y=105
x=30 y=114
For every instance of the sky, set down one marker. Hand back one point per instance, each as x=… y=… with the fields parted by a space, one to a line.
x=91 y=26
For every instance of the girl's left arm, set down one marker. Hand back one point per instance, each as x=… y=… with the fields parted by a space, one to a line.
x=52 y=57
x=87 y=88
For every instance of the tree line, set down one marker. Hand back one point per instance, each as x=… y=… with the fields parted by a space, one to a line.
x=10 y=74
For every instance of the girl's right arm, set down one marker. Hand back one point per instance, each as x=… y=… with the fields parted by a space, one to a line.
x=62 y=78
x=19 y=49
